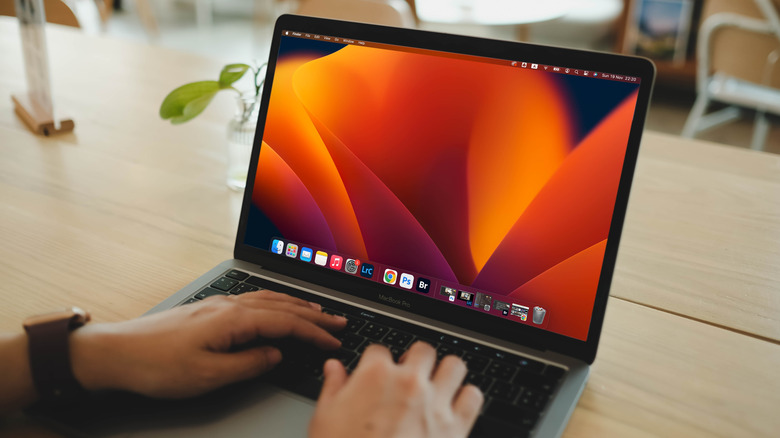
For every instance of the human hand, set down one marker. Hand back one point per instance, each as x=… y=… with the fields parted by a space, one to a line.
x=414 y=398
x=186 y=351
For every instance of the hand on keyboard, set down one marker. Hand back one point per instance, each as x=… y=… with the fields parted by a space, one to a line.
x=190 y=350
x=411 y=398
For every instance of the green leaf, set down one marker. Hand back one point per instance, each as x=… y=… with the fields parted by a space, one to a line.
x=187 y=101
x=231 y=73
x=194 y=108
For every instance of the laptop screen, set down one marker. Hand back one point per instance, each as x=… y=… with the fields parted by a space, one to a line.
x=486 y=183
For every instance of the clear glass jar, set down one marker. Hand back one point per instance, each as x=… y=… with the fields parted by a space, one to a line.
x=241 y=136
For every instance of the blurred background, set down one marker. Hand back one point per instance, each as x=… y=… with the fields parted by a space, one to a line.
x=723 y=52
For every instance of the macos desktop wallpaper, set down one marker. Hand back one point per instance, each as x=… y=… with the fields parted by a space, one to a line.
x=490 y=176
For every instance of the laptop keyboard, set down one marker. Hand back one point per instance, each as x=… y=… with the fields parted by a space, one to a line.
x=517 y=389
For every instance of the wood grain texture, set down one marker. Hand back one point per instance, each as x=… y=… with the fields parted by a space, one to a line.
x=702 y=234
x=128 y=209
x=657 y=374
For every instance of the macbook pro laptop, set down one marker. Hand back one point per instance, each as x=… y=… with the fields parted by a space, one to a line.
x=466 y=192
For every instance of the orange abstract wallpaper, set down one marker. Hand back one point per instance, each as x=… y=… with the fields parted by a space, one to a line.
x=469 y=173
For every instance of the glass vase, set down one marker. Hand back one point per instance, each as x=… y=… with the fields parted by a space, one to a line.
x=241 y=136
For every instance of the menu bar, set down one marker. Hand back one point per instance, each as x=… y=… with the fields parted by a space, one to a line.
x=574 y=71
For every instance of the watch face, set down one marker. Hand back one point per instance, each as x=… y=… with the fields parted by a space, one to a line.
x=76 y=315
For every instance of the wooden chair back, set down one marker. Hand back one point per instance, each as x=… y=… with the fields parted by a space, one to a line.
x=741 y=53
x=56 y=12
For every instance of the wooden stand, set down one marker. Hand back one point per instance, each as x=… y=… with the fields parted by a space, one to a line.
x=39 y=120
x=35 y=107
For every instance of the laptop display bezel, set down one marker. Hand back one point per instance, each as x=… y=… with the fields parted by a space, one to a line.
x=421 y=304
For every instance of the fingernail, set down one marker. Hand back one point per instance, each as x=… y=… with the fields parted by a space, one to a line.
x=330 y=366
x=273 y=356
x=315 y=306
x=340 y=318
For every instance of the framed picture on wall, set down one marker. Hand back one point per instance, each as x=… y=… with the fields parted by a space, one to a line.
x=659 y=29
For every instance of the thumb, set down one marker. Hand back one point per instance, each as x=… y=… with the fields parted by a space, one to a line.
x=242 y=365
x=335 y=378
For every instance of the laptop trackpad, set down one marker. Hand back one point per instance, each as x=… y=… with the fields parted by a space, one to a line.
x=252 y=408
x=274 y=413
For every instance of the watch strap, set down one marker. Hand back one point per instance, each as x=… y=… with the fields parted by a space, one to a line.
x=49 y=352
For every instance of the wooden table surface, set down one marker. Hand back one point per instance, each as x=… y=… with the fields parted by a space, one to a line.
x=128 y=209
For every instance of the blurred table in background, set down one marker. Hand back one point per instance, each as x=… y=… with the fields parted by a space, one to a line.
x=492 y=12
x=128 y=209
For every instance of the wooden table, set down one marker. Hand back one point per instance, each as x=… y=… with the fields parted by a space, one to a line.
x=128 y=209
x=490 y=12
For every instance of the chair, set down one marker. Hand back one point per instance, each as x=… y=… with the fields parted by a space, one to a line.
x=387 y=12
x=57 y=12
x=737 y=65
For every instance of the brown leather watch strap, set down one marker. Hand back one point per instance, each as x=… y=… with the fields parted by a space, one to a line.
x=49 y=352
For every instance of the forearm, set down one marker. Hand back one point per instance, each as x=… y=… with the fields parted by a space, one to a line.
x=87 y=356
x=16 y=385
x=182 y=352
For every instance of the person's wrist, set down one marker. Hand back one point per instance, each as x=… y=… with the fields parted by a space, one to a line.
x=91 y=358
x=16 y=368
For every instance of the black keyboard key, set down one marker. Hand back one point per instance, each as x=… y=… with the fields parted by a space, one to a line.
x=535 y=382
x=312 y=369
x=331 y=311
x=532 y=400
x=362 y=347
x=397 y=338
x=244 y=288
x=224 y=284
x=350 y=341
x=374 y=331
x=237 y=275
x=486 y=427
x=476 y=348
x=428 y=341
x=344 y=356
x=501 y=370
x=451 y=341
x=481 y=381
x=190 y=301
x=530 y=365
x=394 y=351
x=397 y=352
x=445 y=350
x=205 y=293
x=504 y=411
x=496 y=354
x=475 y=362
x=354 y=324
x=505 y=391
x=554 y=373
x=256 y=281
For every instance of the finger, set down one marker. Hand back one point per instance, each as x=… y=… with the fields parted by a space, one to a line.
x=279 y=324
x=420 y=355
x=374 y=352
x=468 y=404
x=310 y=311
x=325 y=320
x=335 y=378
x=269 y=295
x=242 y=365
x=449 y=375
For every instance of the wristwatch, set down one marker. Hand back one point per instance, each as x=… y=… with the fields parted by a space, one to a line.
x=49 y=348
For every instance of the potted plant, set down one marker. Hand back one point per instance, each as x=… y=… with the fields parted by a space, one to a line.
x=186 y=102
